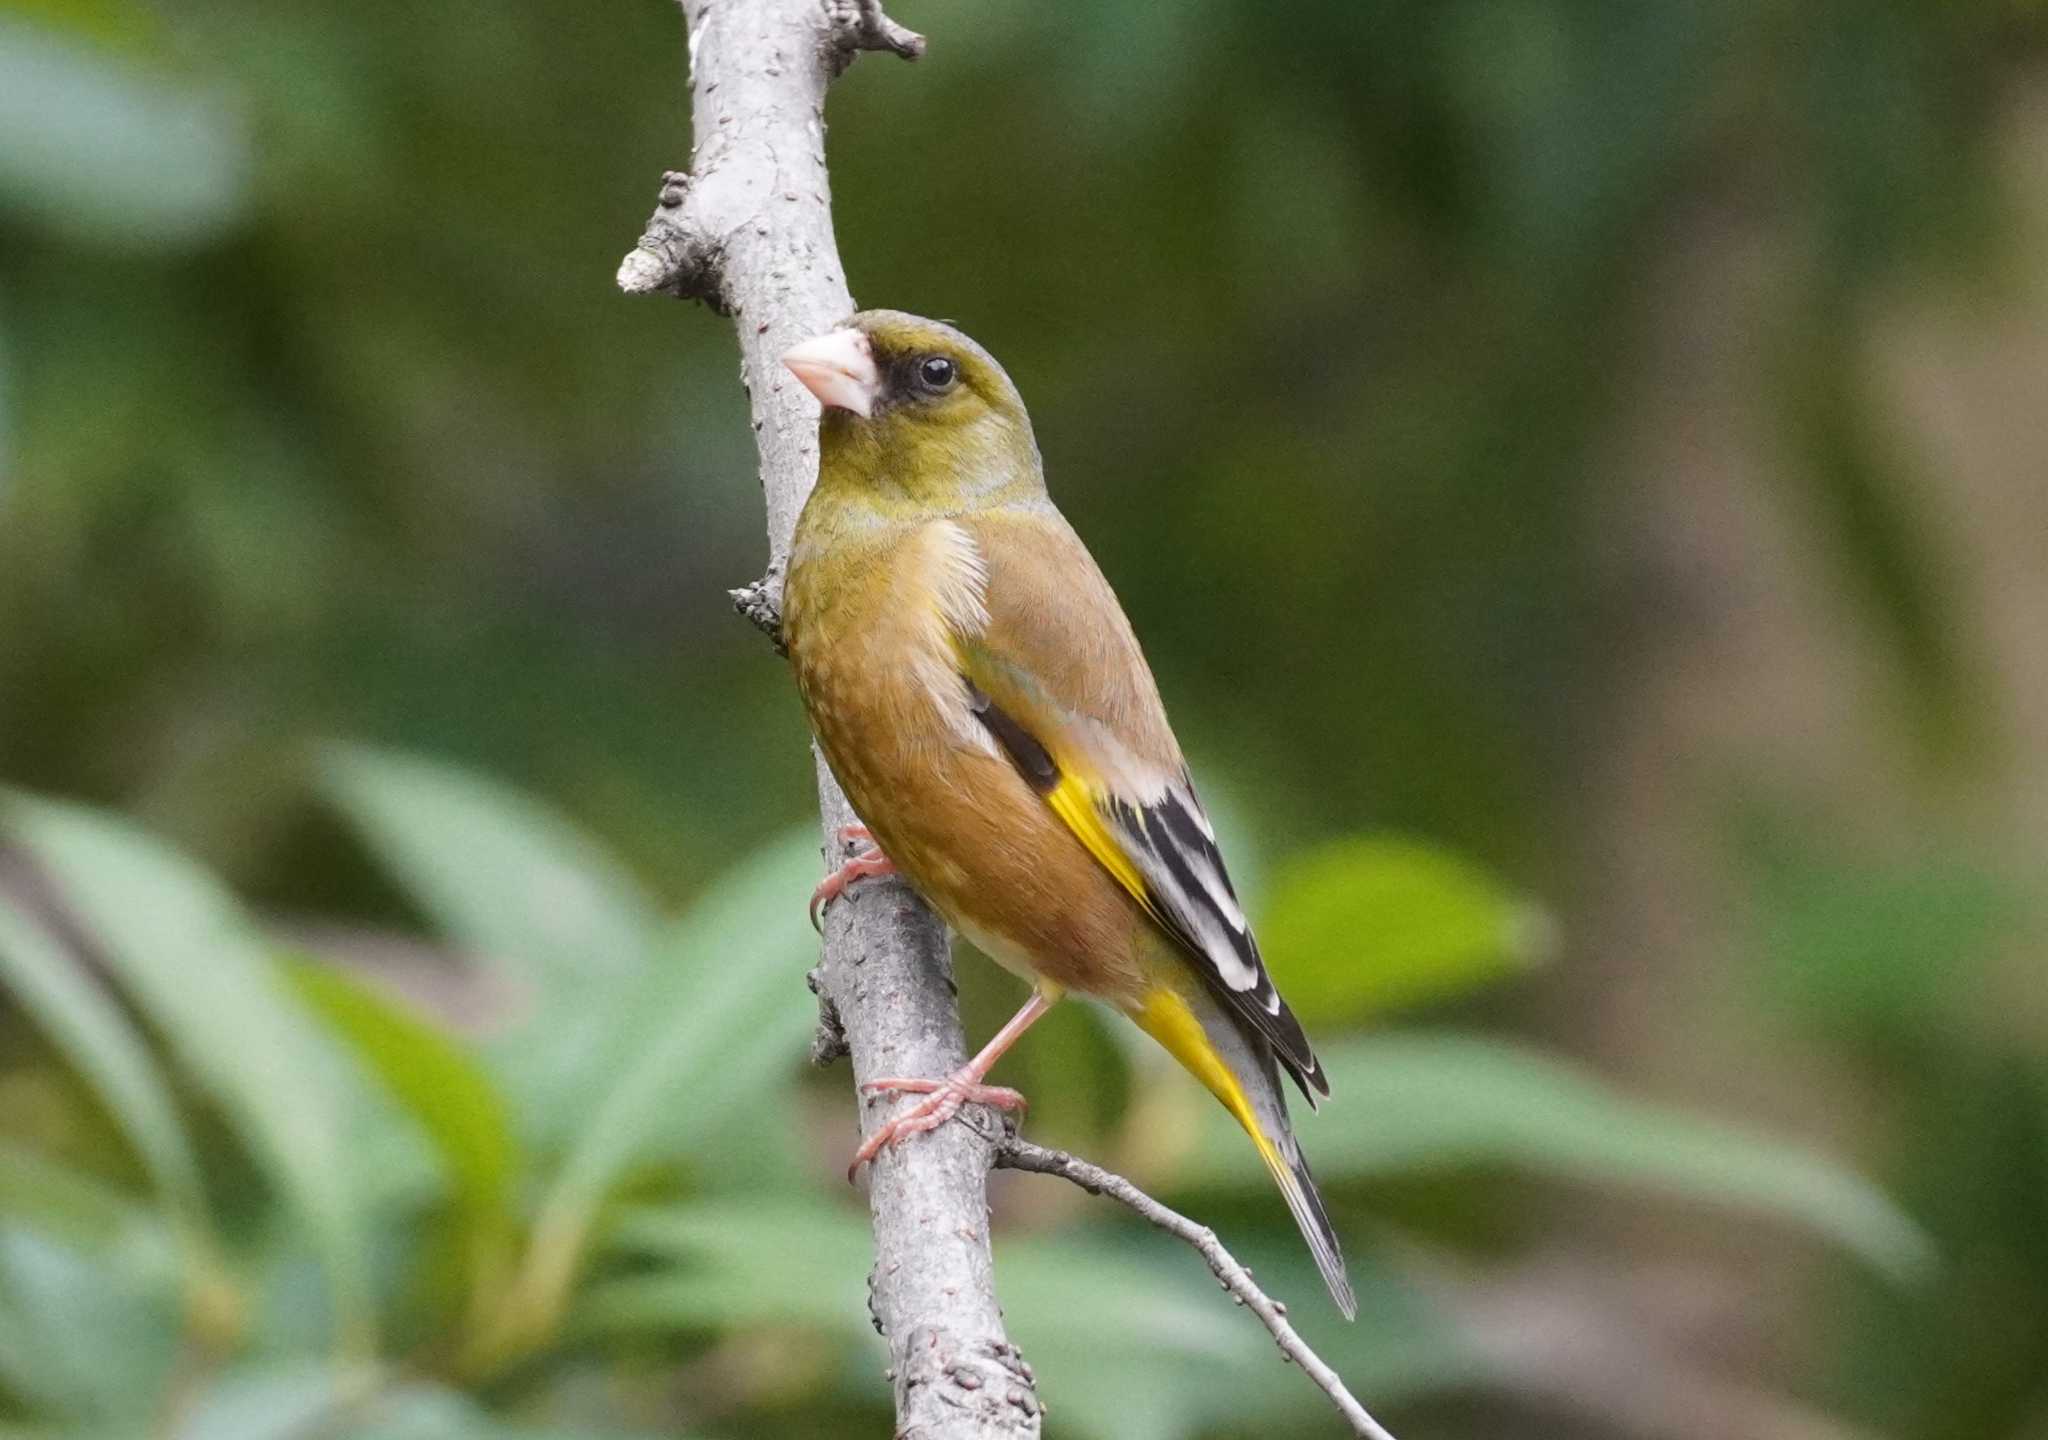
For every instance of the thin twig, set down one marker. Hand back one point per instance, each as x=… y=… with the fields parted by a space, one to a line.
x=1018 y=1154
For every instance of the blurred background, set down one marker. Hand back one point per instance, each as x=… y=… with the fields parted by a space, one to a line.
x=1580 y=470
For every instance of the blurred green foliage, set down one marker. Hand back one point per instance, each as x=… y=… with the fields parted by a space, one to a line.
x=1439 y=927
x=414 y=1211
x=319 y=417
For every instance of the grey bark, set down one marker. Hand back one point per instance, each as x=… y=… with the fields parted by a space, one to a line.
x=748 y=230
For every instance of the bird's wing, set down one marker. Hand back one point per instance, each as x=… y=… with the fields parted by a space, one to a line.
x=1059 y=683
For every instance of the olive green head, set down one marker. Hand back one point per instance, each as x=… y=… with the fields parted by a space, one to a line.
x=913 y=405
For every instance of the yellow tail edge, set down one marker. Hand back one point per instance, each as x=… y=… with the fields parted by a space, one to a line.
x=1167 y=1017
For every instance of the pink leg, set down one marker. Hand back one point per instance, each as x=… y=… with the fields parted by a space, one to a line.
x=859 y=867
x=943 y=1098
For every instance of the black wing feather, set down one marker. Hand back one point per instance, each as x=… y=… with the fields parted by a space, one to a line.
x=1188 y=891
x=1171 y=843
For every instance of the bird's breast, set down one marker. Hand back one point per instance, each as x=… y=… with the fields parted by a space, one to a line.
x=872 y=631
x=872 y=639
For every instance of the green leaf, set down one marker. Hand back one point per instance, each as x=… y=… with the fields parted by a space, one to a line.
x=1128 y=1334
x=440 y=1085
x=705 y=1037
x=86 y=1336
x=718 y=1022
x=72 y=1206
x=295 y=1400
x=420 y=1412
x=1112 y=1333
x=495 y=870
x=1400 y=1347
x=730 y=1263
x=199 y=970
x=528 y=892
x=86 y=1024
x=278 y=1402
x=1369 y=924
x=1438 y=1102
x=1131 y=1337
x=112 y=1229
x=1118 y=1332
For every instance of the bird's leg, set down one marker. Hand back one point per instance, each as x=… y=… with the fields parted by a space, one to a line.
x=945 y=1097
x=874 y=862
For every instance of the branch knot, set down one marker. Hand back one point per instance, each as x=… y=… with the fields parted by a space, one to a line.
x=675 y=256
x=858 y=25
x=829 y=1043
x=758 y=606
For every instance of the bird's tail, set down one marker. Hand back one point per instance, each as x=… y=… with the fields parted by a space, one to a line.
x=1238 y=1067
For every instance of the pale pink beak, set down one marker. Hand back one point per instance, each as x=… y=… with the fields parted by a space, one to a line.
x=839 y=369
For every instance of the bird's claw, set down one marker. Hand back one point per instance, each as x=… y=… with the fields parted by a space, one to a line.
x=859 y=867
x=943 y=1099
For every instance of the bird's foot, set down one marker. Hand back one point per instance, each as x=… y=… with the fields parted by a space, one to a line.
x=874 y=862
x=943 y=1099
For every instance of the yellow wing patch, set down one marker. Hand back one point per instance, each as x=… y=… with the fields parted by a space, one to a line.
x=1072 y=802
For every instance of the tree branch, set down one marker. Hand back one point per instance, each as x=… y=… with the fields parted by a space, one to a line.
x=748 y=231
x=1015 y=1154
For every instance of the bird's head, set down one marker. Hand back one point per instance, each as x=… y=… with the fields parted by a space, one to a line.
x=915 y=402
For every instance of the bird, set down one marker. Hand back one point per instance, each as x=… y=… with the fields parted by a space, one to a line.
x=983 y=701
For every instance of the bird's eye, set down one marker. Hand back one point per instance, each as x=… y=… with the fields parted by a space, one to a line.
x=937 y=372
